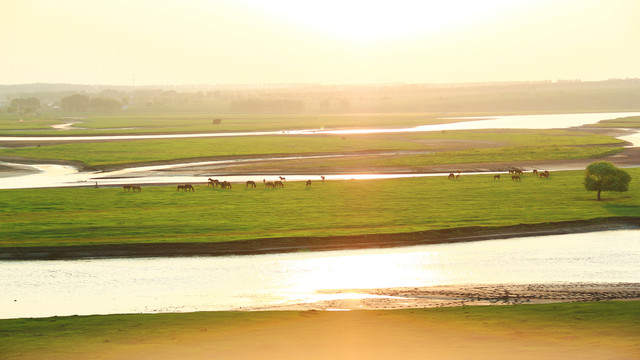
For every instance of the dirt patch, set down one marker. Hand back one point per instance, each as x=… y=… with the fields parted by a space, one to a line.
x=466 y=295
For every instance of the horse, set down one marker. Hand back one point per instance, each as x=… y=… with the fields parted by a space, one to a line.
x=188 y=187
x=277 y=184
x=268 y=184
x=322 y=177
x=213 y=182
x=451 y=176
x=516 y=177
x=251 y=183
x=535 y=171
x=496 y=177
x=225 y=185
x=308 y=183
x=518 y=172
x=544 y=174
x=136 y=188
x=126 y=187
x=282 y=178
x=180 y=187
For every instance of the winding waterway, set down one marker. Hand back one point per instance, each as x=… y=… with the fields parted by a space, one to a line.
x=149 y=285
x=50 y=175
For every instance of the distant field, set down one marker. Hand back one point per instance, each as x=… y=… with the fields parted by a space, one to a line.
x=73 y=216
x=628 y=122
x=458 y=147
x=600 y=330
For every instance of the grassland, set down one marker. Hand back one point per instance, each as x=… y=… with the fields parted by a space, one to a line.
x=453 y=147
x=601 y=330
x=85 y=216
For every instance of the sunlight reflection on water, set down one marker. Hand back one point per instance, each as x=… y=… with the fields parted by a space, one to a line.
x=103 y=286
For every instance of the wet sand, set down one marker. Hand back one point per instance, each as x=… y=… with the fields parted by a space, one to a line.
x=469 y=295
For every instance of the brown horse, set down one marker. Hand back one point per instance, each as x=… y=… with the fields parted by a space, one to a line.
x=213 y=182
x=451 y=176
x=282 y=178
x=516 y=177
x=126 y=187
x=544 y=174
x=278 y=184
x=186 y=187
x=322 y=177
x=308 y=183
x=225 y=185
x=535 y=171
x=136 y=188
x=268 y=184
x=251 y=183
x=496 y=177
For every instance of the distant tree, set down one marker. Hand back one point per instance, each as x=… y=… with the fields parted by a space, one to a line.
x=24 y=106
x=75 y=103
x=604 y=176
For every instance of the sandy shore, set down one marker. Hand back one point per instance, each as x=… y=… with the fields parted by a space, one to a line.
x=467 y=295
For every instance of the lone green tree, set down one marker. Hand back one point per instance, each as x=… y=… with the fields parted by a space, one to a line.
x=604 y=176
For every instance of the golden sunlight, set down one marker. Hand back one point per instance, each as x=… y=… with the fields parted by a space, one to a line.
x=368 y=22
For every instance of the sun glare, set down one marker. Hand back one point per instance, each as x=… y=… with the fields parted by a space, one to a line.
x=367 y=21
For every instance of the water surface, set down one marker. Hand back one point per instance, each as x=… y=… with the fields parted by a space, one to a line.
x=105 y=286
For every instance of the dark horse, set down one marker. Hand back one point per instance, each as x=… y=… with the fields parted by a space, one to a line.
x=136 y=188
x=126 y=187
x=451 y=176
x=268 y=184
x=544 y=174
x=251 y=183
x=496 y=177
x=225 y=185
x=213 y=182
x=516 y=177
x=308 y=183
x=186 y=187
x=277 y=184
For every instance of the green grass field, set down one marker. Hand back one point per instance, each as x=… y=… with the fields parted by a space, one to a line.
x=70 y=216
x=475 y=146
x=525 y=331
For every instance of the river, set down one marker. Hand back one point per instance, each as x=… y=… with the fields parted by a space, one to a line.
x=151 y=285
x=50 y=175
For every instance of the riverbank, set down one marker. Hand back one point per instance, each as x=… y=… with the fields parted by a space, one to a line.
x=298 y=244
x=586 y=331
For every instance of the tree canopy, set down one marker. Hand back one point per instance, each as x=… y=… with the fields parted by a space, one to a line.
x=604 y=176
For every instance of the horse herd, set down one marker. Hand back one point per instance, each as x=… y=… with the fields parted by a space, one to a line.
x=515 y=174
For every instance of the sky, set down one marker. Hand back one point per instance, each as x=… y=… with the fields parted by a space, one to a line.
x=180 y=42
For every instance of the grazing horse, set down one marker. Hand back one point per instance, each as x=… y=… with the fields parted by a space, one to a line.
x=251 y=183
x=136 y=188
x=213 y=182
x=544 y=174
x=451 y=176
x=268 y=184
x=126 y=187
x=496 y=177
x=277 y=184
x=186 y=187
x=225 y=185
x=180 y=187
x=516 y=177
x=535 y=171
x=308 y=183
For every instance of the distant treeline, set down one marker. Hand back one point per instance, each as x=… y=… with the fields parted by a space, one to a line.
x=84 y=103
x=24 y=106
x=267 y=105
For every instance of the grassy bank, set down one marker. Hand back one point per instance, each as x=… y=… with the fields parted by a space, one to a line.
x=602 y=330
x=85 y=216
x=468 y=146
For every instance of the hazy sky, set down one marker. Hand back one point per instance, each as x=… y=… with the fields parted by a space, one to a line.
x=328 y=42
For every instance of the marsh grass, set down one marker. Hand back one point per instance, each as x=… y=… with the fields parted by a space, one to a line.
x=70 y=216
